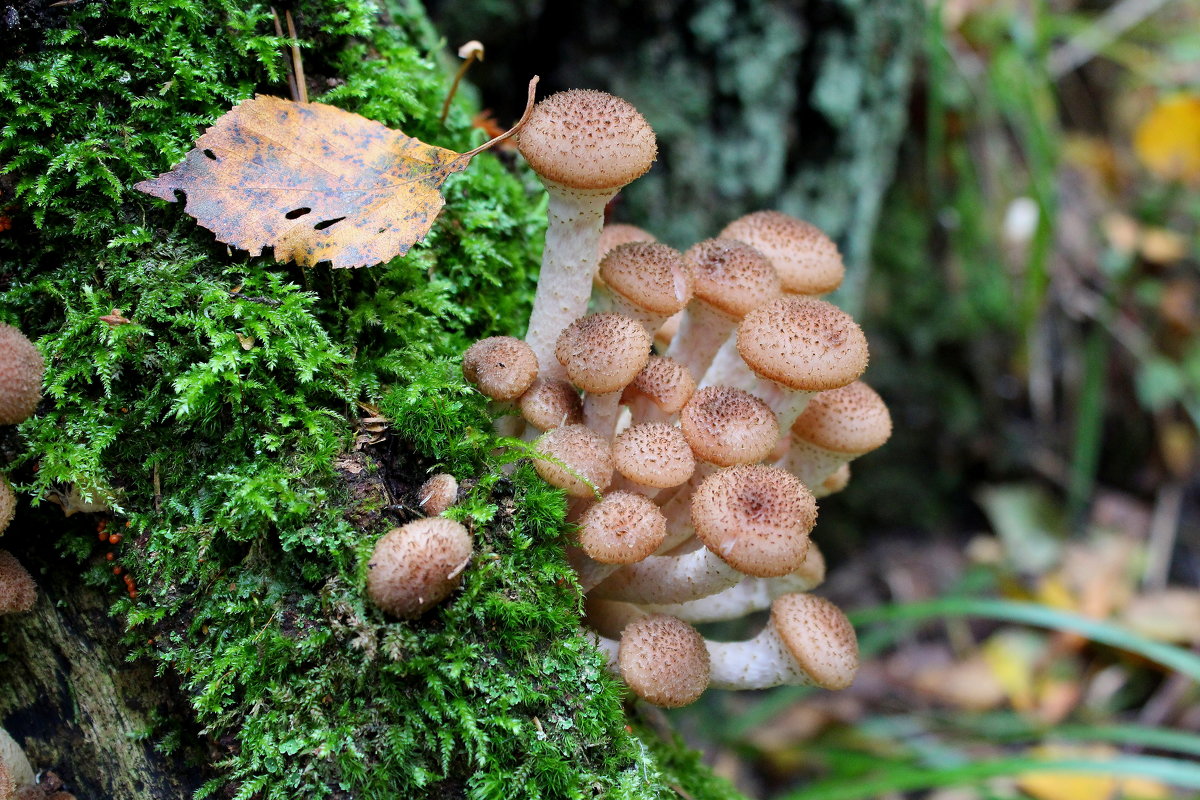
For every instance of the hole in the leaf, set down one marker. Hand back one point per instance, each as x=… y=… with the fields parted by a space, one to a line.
x=210 y=154
x=327 y=223
x=180 y=196
x=297 y=212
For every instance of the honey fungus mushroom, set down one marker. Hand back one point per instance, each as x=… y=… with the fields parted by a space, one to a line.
x=18 y=592
x=21 y=368
x=585 y=146
x=416 y=566
x=663 y=660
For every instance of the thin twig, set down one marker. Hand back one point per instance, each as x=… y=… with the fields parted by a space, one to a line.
x=297 y=67
x=514 y=129
x=1164 y=527
x=291 y=77
x=1107 y=29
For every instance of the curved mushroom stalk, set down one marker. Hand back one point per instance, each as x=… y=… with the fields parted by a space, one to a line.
x=837 y=427
x=669 y=579
x=808 y=641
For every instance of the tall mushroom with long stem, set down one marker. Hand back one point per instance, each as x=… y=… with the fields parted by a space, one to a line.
x=584 y=145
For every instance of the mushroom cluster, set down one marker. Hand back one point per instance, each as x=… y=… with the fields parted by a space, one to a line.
x=21 y=369
x=693 y=470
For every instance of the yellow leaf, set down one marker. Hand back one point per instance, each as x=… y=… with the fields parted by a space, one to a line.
x=314 y=182
x=1167 y=141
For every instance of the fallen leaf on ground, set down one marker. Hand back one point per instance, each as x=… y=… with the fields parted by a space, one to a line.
x=1167 y=141
x=314 y=182
x=1172 y=615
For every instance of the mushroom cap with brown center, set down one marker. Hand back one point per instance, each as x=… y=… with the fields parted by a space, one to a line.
x=438 y=493
x=803 y=343
x=653 y=454
x=851 y=419
x=501 y=367
x=808 y=261
x=18 y=592
x=650 y=276
x=757 y=518
x=414 y=567
x=727 y=426
x=663 y=660
x=550 y=403
x=8 y=503
x=582 y=458
x=732 y=276
x=21 y=368
x=666 y=382
x=819 y=637
x=623 y=528
x=586 y=139
x=618 y=233
x=603 y=352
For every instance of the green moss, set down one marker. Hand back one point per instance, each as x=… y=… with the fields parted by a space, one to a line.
x=222 y=423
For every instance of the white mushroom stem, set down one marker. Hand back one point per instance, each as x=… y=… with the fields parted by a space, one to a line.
x=728 y=369
x=600 y=412
x=750 y=595
x=643 y=409
x=812 y=464
x=759 y=663
x=569 y=263
x=702 y=331
x=13 y=759
x=611 y=648
x=669 y=579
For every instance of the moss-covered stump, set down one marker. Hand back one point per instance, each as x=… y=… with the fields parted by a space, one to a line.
x=223 y=427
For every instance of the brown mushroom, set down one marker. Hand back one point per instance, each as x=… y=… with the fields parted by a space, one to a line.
x=836 y=427
x=18 y=592
x=578 y=460
x=438 y=493
x=647 y=282
x=602 y=354
x=663 y=660
x=21 y=368
x=807 y=260
x=416 y=566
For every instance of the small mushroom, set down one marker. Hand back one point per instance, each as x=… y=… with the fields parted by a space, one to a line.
x=808 y=640
x=416 y=566
x=647 y=282
x=659 y=391
x=653 y=456
x=603 y=353
x=663 y=660
x=18 y=592
x=438 y=493
x=580 y=460
x=623 y=528
x=551 y=403
x=837 y=427
x=807 y=260
x=585 y=146
x=501 y=367
x=21 y=368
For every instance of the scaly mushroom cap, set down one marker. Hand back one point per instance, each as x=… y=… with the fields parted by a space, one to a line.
x=618 y=233
x=551 y=403
x=603 y=352
x=851 y=419
x=438 y=493
x=414 y=567
x=653 y=454
x=663 y=660
x=757 y=518
x=502 y=367
x=732 y=276
x=819 y=637
x=666 y=382
x=623 y=528
x=807 y=260
x=805 y=344
x=21 y=367
x=18 y=592
x=8 y=503
x=584 y=455
x=727 y=426
x=651 y=276
x=585 y=139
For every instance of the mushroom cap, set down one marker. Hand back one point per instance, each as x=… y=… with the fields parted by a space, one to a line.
x=8 y=503
x=651 y=276
x=618 y=233
x=18 y=592
x=732 y=276
x=807 y=260
x=550 y=403
x=803 y=343
x=501 y=367
x=653 y=454
x=663 y=660
x=604 y=352
x=584 y=455
x=21 y=368
x=414 y=567
x=819 y=637
x=755 y=517
x=850 y=419
x=585 y=139
x=727 y=426
x=623 y=528
x=438 y=493
x=666 y=382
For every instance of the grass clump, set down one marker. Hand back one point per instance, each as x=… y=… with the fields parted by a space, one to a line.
x=220 y=423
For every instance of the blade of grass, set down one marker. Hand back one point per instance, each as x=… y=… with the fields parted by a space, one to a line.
x=1175 y=658
x=905 y=779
